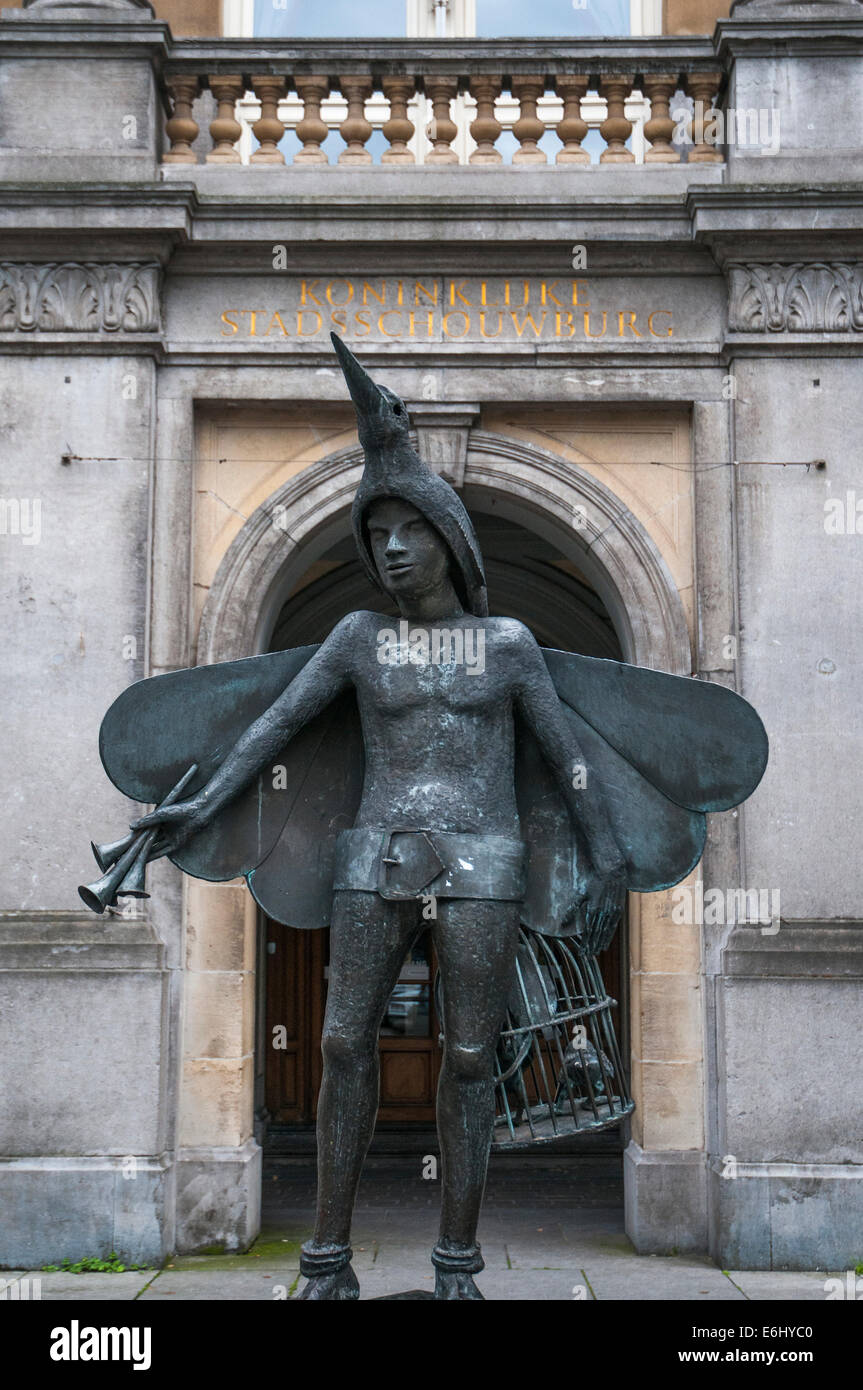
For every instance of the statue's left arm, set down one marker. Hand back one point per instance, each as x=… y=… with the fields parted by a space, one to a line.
x=539 y=704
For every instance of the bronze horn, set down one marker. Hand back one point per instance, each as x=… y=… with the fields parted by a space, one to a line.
x=125 y=876
x=108 y=854
x=133 y=884
x=103 y=892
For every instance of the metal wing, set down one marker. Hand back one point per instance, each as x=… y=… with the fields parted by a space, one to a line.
x=702 y=745
x=662 y=750
x=287 y=820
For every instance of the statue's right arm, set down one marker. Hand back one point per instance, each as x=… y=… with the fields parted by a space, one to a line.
x=324 y=677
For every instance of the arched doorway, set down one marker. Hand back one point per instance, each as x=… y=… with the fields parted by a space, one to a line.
x=626 y=563
x=531 y=579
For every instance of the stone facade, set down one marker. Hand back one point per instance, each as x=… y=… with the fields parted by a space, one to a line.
x=690 y=395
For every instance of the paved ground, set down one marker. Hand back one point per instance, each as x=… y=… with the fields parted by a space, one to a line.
x=544 y=1239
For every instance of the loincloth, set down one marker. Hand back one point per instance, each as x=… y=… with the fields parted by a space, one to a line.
x=402 y=864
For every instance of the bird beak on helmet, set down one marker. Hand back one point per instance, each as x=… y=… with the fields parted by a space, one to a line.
x=366 y=396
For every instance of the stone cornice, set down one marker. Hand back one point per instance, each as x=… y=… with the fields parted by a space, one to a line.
x=777 y=221
x=21 y=36
x=446 y=57
x=760 y=35
x=100 y=222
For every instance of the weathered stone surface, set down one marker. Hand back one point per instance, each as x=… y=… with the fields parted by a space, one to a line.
x=218 y=1197
x=95 y=1208
x=666 y=1200
x=87 y=1016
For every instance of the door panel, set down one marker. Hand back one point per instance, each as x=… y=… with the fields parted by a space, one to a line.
x=297 y=970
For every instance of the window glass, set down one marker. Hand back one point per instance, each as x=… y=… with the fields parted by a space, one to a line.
x=343 y=19
x=555 y=18
x=408 y=1013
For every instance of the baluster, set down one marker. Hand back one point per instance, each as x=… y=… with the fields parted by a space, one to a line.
x=312 y=129
x=616 y=129
x=702 y=87
x=485 y=127
x=225 y=129
x=528 y=129
x=441 y=129
x=355 y=129
x=181 y=127
x=571 y=128
x=268 y=129
x=660 y=128
x=399 y=128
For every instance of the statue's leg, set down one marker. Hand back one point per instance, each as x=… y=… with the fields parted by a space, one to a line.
x=369 y=939
x=476 y=945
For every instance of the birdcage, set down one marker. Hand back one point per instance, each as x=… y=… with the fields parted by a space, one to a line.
x=558 y=1069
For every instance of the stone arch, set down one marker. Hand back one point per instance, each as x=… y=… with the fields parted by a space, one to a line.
x=566 y=504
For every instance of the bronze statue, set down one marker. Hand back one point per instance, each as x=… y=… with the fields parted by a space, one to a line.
x=448 y=762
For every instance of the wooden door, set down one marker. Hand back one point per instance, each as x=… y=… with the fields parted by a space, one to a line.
x=297 y=971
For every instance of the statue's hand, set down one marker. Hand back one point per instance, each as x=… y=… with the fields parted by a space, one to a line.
x=602 y=906
x=178 y=823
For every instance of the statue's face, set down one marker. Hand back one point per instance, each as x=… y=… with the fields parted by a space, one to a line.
x=411 y=557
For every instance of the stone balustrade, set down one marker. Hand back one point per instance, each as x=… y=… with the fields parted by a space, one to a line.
x=611 y=101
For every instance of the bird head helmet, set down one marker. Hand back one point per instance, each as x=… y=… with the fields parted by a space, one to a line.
x=394 y=469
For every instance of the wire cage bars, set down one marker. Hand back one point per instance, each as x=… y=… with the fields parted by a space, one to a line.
x=558 y=1068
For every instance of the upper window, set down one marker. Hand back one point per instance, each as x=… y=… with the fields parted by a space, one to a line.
x=340 y=19
x=554 y=18
x=346 y=19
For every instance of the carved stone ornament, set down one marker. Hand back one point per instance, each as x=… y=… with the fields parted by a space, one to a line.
x=71 y=297
x=800 y=298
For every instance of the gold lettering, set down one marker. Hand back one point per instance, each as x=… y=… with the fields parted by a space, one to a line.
x=277 y=318
x=524 y=302
x=546 y=292
x=387 y=314
x=587 y=331
x=362 y=322
x=576 y=291
x=527 y=319
x=482 y=299
x=455 y=290
x=482 y=324
x=630 y=316
x=456 y=314
x=370 y=290
x=429 y=313
x=400 y=298
x=301 y=313
x=306 y=293
x=340 y=302
x=421 y=289
x=234 y=327
x=669 y=331
x=253 y=313
x=570 y=324
x=339 y=320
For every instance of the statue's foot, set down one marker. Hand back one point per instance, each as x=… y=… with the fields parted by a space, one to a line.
x=339 y=1286
x=455 y=1283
